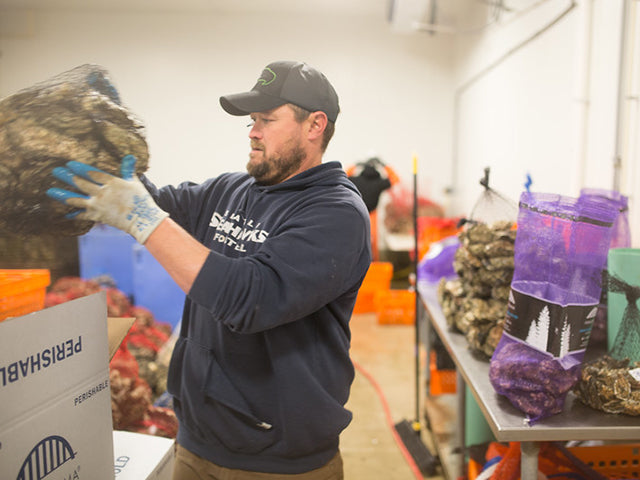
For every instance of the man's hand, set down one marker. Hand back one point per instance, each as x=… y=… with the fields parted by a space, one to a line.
x=123 y=203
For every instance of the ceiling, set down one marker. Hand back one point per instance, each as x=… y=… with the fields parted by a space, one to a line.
x=434 y=15
x=338 y=7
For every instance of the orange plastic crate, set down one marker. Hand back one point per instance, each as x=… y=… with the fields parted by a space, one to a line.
x=22 y=291
x=614 y=461
x=378 y=278
x=440 y=381
x=473 y=469
x=434 y=229
x=396 y=307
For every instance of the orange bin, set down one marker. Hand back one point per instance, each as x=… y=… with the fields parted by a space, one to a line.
x=434 y=229
x=440 y=381
x=377 y=279
x=22 y=291
x=396 y=307
x=614 y=461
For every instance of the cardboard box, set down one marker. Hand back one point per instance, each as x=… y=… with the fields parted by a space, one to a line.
x=142 y=457
x=55 y=420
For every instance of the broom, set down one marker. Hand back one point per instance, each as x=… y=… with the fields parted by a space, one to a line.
x=409 y=432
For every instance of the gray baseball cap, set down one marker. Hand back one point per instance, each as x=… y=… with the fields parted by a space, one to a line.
x=286 y=82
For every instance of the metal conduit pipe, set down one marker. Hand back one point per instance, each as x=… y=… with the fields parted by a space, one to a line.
x=585 y=42
x=621 y=124
x=451 y=189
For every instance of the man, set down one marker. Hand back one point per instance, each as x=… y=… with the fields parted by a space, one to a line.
x=271 y=262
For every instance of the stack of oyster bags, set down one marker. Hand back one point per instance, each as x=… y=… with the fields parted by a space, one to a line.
x=475 y=303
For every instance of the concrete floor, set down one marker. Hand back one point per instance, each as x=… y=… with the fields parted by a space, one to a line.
x=383 y=394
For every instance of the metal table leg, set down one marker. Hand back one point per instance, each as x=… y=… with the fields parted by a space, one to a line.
x=529 y=462
x=461 y=387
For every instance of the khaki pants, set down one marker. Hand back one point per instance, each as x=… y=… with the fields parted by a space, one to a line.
x=189 y=466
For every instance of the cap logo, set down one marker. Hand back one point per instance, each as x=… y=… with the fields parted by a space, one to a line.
x=264 y=81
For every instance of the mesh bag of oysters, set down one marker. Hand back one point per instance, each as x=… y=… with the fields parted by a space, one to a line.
x=612 y=383
x=475 y=302
x=560 y=252
x=75 y=115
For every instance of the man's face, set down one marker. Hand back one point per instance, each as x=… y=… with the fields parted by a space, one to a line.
x=277 y=151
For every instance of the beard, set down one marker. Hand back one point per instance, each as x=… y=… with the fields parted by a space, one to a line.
x=275 y=168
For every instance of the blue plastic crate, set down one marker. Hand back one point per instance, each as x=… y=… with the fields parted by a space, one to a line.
x=105 y=250
x=153 y=288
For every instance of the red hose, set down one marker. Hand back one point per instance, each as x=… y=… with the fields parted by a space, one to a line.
x=387 y=412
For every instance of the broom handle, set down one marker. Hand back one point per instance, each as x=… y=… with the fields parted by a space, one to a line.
x=417 y=299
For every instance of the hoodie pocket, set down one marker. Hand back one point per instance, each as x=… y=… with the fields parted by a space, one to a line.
x=229 y=416
x=209 y=405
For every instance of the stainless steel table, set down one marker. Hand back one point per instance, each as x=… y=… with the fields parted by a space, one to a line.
x=575 y=422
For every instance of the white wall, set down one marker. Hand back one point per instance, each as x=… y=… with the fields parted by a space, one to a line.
x=171 y=68
x=515 y=106
x=537 y=93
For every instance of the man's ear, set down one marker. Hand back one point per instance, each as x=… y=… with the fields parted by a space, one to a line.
x=317 y=124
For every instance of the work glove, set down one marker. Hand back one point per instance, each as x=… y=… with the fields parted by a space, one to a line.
x=123 y=203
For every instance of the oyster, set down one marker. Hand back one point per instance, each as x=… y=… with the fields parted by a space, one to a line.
x=76 y=115
x=476 y=302
x=608 y=385
x=532 y=381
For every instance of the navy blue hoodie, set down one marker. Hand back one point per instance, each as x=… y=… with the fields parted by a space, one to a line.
x=261 y=371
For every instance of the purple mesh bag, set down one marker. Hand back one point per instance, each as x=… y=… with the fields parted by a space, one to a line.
x=438 y=262
x=621 y=233
x=560 y=252
x=620 y=238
